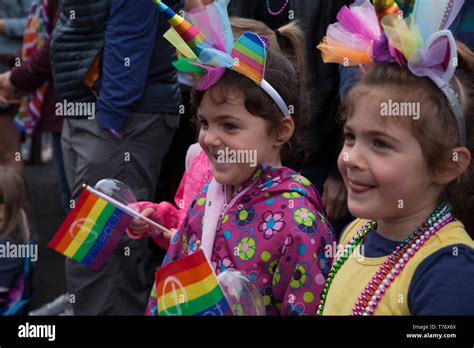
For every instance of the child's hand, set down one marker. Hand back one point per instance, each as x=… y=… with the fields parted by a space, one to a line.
x=138 y=227
x=169 y=235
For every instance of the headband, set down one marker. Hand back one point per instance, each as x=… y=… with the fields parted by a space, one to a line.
x=206 y=48
x=366 y=34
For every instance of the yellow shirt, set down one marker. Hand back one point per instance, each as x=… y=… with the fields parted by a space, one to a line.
x=357 y=271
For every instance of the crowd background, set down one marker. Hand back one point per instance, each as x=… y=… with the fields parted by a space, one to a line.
x=74 y=50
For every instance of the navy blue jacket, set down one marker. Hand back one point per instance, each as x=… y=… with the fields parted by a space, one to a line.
x=137 y=74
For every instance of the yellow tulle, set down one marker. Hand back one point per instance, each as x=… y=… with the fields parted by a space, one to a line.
x=177 y=41
x=403 y=34
x=333 y=52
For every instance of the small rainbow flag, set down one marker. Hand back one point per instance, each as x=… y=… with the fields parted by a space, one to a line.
x=189 y=286
x=91 y=231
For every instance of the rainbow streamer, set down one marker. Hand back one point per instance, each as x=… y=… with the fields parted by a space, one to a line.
x=189 y=286
x=91 y=231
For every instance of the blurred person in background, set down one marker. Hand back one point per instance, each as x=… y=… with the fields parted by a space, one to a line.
x=29 y=84
x=112 y=56
x=13 y=16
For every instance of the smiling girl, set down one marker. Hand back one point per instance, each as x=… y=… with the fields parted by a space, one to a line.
x=409 y=180
x=267 y=220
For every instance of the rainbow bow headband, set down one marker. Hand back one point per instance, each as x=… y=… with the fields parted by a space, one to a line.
x=366 y=34
x=208 y=51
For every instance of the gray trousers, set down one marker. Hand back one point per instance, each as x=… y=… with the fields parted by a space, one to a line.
x=91 y=154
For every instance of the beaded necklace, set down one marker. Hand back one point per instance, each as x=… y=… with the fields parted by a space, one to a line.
x=392 y=266
x=279 y=11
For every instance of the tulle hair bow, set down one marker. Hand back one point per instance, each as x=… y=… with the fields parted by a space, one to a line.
x=206 y=48
x=420 y=41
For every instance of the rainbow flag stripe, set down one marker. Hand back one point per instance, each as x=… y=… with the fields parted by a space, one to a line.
x=91 y=231
x=189 y=286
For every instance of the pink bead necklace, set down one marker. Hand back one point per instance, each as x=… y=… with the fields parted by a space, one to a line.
x=392 y=266
x=279 y=11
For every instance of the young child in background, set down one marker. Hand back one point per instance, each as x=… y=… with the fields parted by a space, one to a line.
x=408 y=176
x=14 y=232
x=258 y=216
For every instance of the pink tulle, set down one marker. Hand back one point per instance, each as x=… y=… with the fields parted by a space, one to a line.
x=355 y=25
x=350 y=40
x=214 y=73
x=212 y=21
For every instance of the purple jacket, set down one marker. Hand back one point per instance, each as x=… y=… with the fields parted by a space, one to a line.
x=273 y=229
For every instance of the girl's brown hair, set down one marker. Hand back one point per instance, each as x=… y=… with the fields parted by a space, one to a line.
x=288 y=39
x=436 y=130
x=288 y=79
x=13 y=197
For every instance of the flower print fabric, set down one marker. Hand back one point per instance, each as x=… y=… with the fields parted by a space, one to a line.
x=274 y=230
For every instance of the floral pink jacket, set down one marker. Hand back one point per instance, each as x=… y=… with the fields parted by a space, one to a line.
x=273 y=229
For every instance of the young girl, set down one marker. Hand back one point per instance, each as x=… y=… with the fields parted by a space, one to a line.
x=256 y=215
x=198 y=167
x=14 y=281
x=409 y=177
